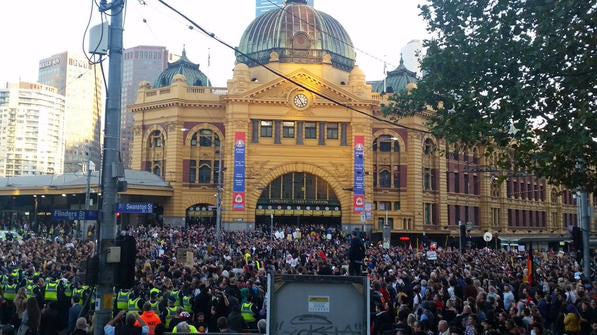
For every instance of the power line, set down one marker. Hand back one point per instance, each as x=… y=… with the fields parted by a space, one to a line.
x=312 y=91
x=333 y=37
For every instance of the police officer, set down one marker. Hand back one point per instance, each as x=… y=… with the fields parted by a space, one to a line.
x=175 y=295
x=170 y=312
x=122 y=300
x=51 y=290
x=248 y=311
x=10 y=291
x=133 y=305
x=154 y=300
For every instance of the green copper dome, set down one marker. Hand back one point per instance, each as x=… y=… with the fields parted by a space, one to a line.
x=185 y=67
x=396 y=80
x=298 y=34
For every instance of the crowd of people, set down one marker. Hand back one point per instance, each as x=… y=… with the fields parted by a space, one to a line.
x=186 y=282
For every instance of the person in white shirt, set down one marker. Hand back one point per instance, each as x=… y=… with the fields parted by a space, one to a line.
x=443 y=328
x=508 y=298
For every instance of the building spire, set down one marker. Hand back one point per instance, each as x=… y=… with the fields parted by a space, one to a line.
x=401 y=59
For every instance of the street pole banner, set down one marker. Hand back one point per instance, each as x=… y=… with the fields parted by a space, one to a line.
x=239 y=191
x=359 y=174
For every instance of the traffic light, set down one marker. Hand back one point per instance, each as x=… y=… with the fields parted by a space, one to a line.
x=118 y=218
x=125 y=275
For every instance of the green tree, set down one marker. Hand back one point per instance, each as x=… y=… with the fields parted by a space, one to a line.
x=519 y=76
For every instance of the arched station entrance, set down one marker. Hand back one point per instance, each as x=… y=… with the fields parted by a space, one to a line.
x=298 y=198
x=201 y=214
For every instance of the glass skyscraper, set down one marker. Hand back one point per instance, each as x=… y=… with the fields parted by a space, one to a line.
x=83 y=88
x=263 y=6
x=140 y=63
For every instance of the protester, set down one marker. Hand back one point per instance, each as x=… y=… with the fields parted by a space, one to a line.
x=223 y=287
x=73 y=314
x=81 y=327
x=124 y=324
x=31 y=318
x=356 y=254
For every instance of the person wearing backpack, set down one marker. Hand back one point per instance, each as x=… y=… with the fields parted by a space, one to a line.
x=571 y=320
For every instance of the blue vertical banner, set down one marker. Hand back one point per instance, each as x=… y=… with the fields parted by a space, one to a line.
x=239 y=189
x=359 y=174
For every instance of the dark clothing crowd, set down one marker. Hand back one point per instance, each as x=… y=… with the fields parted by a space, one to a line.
x=187 y=282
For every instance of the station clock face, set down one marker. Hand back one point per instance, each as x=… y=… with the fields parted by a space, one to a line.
x=301 y=101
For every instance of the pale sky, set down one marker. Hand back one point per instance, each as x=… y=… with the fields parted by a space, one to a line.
x=34 y=29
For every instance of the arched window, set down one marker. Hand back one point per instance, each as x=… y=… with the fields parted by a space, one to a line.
x=205 y=138
x=385 y=179
x=205 y=172
x=156 y=140
x=386 y=143
x=428 y=147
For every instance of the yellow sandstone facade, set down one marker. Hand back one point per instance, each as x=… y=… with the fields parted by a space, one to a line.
x=300 y=148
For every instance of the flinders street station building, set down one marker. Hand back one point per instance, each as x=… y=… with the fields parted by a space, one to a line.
x=312 y=153
x=304 y=159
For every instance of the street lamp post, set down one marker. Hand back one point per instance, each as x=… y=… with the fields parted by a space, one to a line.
x=35 y=226
x=271 y=226
x=219 y=195
x=85 y=226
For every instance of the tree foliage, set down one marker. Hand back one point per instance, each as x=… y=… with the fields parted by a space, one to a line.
x=519 y=76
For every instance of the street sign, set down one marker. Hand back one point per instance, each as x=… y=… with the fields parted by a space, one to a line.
x=135 y=208
x=67 y=214
x=487 y=236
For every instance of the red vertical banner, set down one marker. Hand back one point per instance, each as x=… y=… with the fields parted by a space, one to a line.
x=359 y=174
x=239 y=189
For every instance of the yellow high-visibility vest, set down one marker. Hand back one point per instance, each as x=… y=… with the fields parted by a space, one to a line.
x=122 y=300
x=51 y=293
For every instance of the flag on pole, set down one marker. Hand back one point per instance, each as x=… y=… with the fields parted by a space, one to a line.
x=530 y=266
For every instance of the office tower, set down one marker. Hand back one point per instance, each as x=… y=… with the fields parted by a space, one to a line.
x=31 y=130
x=82 y=86
x=263 y=6
x=140 y=63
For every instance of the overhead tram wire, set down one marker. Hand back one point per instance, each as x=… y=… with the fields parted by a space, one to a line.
x=379 y=59
x=339 y=103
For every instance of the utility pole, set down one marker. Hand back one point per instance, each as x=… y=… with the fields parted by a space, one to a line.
x=585 y=219
x=219 y=196
x=111 y=166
